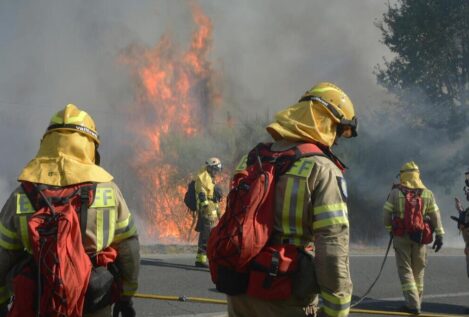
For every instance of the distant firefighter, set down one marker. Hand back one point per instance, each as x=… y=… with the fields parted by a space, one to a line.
x=208 y=195
x=463 y=220
x=411 y=215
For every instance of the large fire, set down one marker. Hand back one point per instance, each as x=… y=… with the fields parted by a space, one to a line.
x=175 y=99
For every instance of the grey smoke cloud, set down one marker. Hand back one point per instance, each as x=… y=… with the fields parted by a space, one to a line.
x=267 y=51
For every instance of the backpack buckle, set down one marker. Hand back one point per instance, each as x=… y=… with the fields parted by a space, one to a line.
x=273 y=270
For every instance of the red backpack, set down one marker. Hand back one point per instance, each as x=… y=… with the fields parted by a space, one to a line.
x=247 y=224
x=61 y=267
x=413 y=223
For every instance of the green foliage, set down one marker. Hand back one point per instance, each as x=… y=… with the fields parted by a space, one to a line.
x=430 y=70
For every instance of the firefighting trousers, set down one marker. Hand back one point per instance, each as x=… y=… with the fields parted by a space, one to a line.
x=205 y=225
x=103 y=312
x=247 y=306
x=411 y=258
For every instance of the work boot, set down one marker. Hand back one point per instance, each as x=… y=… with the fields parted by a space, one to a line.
x=201 y=264
x=414 y=311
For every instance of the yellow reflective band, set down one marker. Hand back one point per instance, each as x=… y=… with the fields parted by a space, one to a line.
x=388 y=228
x=105 y=227
x=10 y=246
x=302 y=168
x=24 y=233
x=99 y=229
x=330 y=222
x=23 y=205
x=7 y=232
x=242 y=164
x=299 y=207
x=331 y=207
x=122 y=224
x=122 y=236
x=401 y=204
x=129 y=289
x=105 y=197
x=409 y=286
x=335 y=299
x=286 y=206
x=420 y=287
x=439 y=231
x=388 y=207
x=321 y=90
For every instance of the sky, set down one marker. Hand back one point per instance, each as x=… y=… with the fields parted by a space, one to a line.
x=267 y=52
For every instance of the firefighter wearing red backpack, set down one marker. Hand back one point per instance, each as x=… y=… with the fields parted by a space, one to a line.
x=411 y=215
x=68 y=243
x=208 y=196
x=287 y=198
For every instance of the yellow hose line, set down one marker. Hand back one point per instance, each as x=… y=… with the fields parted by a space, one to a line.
x=223 y=302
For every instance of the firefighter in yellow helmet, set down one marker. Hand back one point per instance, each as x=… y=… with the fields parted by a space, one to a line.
x=68 y=156
x=208 y=196
x=463 y=220
x=311 y=208
x=406 y=200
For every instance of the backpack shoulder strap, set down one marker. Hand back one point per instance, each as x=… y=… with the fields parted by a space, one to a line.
x=85 y=203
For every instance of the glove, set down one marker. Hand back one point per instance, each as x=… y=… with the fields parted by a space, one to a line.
x=4 y=310
x=438 y=243
x=125 y=307
x=217 y=194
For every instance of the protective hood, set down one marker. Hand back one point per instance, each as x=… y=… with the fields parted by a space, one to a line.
x=410 y=176
x=64 y=158
x=305 y=121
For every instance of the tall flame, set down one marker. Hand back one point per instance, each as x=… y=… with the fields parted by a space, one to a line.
x=174 y=96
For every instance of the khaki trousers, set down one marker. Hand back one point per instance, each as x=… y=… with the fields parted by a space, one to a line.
x=411 y=258
x=247 y=306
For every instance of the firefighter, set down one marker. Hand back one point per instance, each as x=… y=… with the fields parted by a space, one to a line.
x=67 y=156
x=311 y=207
x=208 y=196
x=463 y=220
x=408 y=201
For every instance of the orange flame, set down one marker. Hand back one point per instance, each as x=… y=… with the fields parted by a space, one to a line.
x=174 y=95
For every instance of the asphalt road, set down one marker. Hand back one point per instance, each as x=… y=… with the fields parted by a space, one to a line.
x=446 y=285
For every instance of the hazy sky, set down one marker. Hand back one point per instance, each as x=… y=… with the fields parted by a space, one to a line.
x=268 y=53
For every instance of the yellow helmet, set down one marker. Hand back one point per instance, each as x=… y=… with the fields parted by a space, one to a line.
x=409 y=167
x=336 y=102
x=71 y=118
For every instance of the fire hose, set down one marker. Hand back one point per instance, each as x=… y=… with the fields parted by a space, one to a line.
x=224 y=302
x=352 y=309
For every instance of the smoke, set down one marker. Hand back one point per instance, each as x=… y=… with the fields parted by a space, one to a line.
x=267 y=52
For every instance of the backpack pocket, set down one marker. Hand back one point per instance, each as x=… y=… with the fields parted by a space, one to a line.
x=271 y=276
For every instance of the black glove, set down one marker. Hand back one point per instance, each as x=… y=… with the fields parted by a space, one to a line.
x=125 y=307
x=217 y=194
x=438 y=243
x=4 y=310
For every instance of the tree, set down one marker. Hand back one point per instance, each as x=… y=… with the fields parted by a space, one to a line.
x=430 y=70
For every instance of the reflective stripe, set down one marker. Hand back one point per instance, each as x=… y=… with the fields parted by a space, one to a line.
x=122 y=224
x=401 y=199
x=336 y=306
x=286 y=206
x=24 y=233
x=388 y=228
x=122 y=233
x=328 y=215
x=7 y=242
x=420 y=287
x=388 y=207
x=409 y=287
x=4 y=295
x=439 y=231
x=105 y=198
x=23 y=205
x=105 y=227
x=129 y=289
x=300 y=198
x=7 y=232
x=242 y=164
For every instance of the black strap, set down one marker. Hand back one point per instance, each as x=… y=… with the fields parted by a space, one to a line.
x=85 y=200
x=273 y=270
